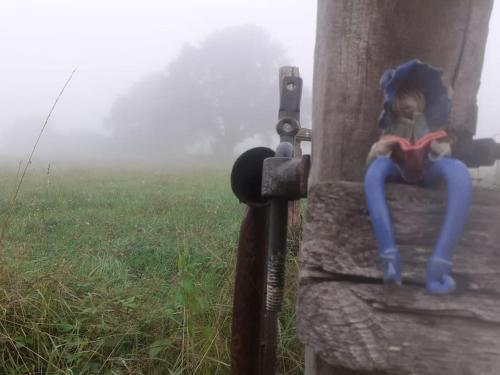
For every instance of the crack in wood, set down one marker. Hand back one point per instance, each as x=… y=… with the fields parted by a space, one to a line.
x=313 y=276
x=462 y=314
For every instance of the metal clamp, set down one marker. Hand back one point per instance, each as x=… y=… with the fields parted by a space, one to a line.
x=285 y=178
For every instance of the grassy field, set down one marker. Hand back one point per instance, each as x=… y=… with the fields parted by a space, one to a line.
x=114 y=271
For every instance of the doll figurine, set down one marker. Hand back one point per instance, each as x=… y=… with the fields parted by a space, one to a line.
x=415 y=149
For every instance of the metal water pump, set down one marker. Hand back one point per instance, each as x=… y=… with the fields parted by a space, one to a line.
x=265 y=180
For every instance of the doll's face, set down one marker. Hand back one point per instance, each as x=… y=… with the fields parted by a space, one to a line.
x=409 y=106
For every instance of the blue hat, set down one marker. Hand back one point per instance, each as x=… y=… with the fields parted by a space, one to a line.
x=423 y=77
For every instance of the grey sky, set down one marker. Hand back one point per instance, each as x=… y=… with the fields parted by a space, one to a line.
x=117 y=42
x=489 y=93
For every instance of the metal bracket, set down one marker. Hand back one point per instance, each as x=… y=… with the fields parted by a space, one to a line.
x=285 y=178
x=290 y=92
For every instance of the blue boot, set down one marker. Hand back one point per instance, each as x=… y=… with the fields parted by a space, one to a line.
x=392 y=266
x=439 y=280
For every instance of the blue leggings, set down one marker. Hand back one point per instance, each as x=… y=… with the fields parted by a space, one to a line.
x=459 y=186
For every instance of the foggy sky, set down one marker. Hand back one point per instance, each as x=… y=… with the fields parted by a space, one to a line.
x=489 y=93
x=115 y=43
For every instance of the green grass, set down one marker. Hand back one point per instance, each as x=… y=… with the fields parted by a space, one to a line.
x=114 y=271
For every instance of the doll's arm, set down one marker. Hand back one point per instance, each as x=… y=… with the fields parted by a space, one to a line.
x=439 y=149
x=381 y=148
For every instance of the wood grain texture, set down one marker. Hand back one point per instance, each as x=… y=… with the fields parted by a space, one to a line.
x=357 y=325
x=350 y=322
x=357 y=40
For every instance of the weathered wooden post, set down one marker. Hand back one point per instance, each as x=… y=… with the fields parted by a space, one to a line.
x=294 y=207
x=349 y=321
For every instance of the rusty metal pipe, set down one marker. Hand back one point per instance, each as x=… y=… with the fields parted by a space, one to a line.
x=276 y=257
x=249 y=292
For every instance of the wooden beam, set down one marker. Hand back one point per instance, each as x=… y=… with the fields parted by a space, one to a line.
x=357 y=325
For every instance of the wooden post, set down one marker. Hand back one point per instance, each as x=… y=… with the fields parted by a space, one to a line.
x=294 y=215
x=357 y=40
x=350 y=322
x=294 y=207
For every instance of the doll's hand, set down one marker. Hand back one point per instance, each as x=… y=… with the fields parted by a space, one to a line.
x=381 y=148
x=439 y=150
x=384 y=146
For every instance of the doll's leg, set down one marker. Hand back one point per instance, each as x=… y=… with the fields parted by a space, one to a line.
x=459 y=187
x=378 y=172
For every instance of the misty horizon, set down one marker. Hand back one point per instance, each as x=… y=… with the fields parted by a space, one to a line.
x=116 y=54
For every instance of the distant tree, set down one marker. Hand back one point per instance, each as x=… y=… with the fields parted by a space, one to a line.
x=211 y=96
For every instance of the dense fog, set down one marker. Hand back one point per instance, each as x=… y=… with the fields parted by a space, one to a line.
x=159 y=80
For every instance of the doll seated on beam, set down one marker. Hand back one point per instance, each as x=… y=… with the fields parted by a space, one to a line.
x=415 y=149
